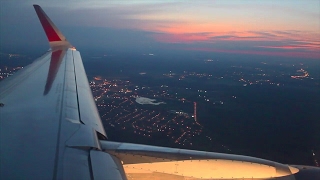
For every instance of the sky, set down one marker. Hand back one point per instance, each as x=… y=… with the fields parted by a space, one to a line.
x=286 y=28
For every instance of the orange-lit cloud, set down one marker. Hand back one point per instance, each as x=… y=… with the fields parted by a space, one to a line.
x=305 y=38
x=180 y=38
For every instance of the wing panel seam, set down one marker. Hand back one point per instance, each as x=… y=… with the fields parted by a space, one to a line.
x=75 y=79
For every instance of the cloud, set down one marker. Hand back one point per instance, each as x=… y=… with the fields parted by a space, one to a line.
x=313 y=55
x=265 y=34
x=163 y=23
x=181 y=38
x=306 y=46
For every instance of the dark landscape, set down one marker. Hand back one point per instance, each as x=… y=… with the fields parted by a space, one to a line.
x=267 y=108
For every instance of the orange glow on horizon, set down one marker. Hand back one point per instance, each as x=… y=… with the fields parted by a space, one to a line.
x=313 y=55
x=270 y=26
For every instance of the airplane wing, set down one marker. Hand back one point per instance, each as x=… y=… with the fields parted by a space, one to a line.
x=50 y=126
x=51 y=129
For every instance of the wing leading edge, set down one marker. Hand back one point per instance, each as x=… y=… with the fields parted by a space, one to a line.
x=51 y=129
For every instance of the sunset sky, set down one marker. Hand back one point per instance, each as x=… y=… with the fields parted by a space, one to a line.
x=288 y=28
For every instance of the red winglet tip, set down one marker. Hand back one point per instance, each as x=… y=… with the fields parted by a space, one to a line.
x=53 y=34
